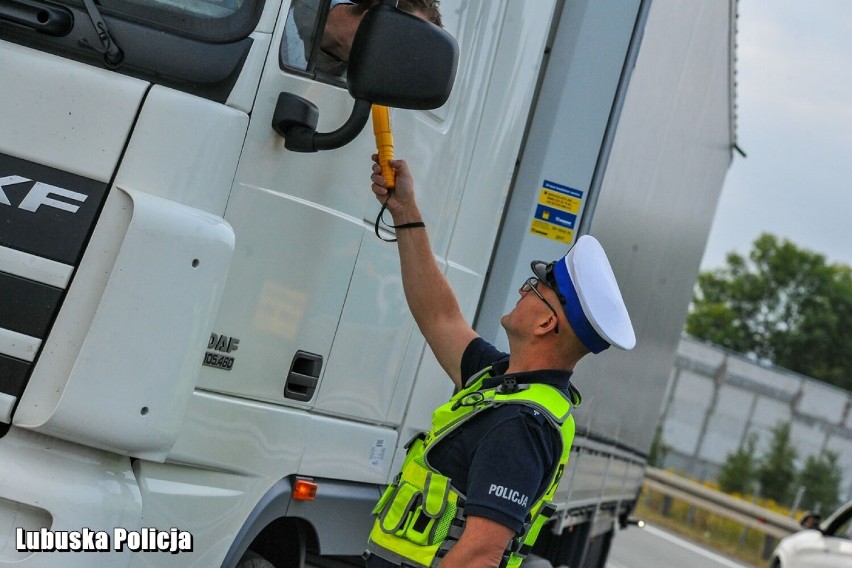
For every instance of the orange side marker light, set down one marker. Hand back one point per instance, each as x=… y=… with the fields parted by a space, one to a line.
x=304 y=490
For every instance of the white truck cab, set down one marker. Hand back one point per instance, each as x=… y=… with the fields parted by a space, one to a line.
x=204 y=348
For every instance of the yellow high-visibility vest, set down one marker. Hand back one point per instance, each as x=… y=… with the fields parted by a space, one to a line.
x=420 y=516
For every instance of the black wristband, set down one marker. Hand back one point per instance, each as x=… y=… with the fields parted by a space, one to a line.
x=412 y=225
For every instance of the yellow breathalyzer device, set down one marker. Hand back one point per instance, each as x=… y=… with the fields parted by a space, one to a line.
x=384 y=142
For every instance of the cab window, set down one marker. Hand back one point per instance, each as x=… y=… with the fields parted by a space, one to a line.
x=301 y=46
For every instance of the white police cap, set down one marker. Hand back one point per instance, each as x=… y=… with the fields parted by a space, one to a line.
x=590 y=296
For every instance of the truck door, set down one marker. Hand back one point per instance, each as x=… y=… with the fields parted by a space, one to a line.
x=301 y=220
x=309 y=279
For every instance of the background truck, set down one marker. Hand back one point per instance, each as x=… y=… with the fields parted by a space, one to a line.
x=198 y=328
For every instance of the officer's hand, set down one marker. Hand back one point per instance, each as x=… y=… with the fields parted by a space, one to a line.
x=401 y=199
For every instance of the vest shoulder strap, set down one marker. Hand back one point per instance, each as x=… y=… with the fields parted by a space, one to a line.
x=554 y=404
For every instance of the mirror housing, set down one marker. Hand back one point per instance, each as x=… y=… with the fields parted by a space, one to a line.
x=810 y=520
x=402 y=61
x=397 y=60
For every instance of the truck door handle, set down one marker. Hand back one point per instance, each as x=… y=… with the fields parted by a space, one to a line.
x=303 y=377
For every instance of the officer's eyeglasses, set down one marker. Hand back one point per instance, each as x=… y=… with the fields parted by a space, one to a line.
x=530 y=285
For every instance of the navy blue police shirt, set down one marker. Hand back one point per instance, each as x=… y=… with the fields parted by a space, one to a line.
x=501 y=459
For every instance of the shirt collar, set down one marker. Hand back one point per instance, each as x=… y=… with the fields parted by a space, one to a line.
x=557 y=378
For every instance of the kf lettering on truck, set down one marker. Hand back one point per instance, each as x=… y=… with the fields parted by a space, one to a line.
x=39 y=194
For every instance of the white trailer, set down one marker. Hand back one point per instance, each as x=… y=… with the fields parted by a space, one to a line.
x=197 y=324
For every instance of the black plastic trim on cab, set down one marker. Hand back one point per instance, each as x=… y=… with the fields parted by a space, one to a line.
x=13 y=375
x=205 y=69
x=59 y=216
x=45 y=213
x=43 y=17
x=28 y=307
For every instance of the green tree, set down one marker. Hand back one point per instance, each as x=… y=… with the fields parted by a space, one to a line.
x=781 y=305
x=776 y=469
x=738 y=473
x=821 y=477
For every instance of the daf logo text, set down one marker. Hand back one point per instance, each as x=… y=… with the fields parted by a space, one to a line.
x=219 y=350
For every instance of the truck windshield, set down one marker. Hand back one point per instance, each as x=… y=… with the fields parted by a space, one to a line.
x=206 y=20
x=196 y=46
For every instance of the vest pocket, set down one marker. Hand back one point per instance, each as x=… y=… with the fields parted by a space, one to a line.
x=397 y=513
x=435 y=512
x=435 y=491
x=420 y=530
x=420 y=517
x=383 y=500
x=427 y=531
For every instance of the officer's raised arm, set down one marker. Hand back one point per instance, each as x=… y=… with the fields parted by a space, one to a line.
x=430 y=298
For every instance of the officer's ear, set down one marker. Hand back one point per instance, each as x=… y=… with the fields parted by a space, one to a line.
x=548 y=324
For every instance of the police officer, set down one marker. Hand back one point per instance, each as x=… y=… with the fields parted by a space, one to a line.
x=475 y=490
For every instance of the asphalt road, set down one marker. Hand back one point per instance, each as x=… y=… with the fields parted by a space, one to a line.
x=650 y=547
x=647 y=547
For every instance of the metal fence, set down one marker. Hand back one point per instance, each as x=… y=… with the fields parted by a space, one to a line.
x=717 y=399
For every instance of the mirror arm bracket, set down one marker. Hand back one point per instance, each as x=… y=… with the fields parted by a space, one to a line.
x=296 y=120
x=348 y=131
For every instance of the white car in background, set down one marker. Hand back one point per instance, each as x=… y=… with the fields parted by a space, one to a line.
x=826 y=544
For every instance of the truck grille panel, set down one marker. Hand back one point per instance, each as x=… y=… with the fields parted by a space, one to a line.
x=28 y=307
x=46 y=218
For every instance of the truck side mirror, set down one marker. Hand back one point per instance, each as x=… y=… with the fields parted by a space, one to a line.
x=400 y=60
x=810 y=520
x=397 y=60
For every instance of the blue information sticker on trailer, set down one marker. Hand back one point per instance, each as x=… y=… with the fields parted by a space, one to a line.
x=557 y=212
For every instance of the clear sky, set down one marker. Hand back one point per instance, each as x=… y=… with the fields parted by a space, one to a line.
x=794 y=121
